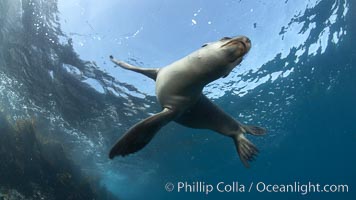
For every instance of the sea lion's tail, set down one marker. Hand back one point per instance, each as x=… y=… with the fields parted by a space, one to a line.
x=246 y=150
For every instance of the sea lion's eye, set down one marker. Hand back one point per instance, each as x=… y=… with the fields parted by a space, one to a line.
x=204 y=45
x=225 y=38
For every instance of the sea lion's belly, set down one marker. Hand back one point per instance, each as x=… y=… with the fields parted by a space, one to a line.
x=177 y=87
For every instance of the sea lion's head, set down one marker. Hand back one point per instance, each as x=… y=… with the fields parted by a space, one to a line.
x=235 y=47
x=227 y=52
x=231 y=49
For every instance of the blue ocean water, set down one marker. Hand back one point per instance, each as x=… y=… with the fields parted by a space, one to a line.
x=298 y=81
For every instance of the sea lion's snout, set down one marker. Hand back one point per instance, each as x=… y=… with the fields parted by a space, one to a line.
x=246 y=42
x=242 y=43
x=236 y=47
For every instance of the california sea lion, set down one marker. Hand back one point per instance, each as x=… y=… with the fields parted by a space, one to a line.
x=179 y=91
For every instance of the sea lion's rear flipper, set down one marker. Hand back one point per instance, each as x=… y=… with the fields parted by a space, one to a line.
x=246 y=150
x=141 y=133
x=254 y=130
x=149 y=72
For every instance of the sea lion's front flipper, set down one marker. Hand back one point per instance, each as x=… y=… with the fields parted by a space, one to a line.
x=149 y=72
x=141 y=133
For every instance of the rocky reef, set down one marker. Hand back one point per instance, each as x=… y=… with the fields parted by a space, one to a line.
x=35 y=167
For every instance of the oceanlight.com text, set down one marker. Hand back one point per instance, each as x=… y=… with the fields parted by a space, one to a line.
x=260 y=187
